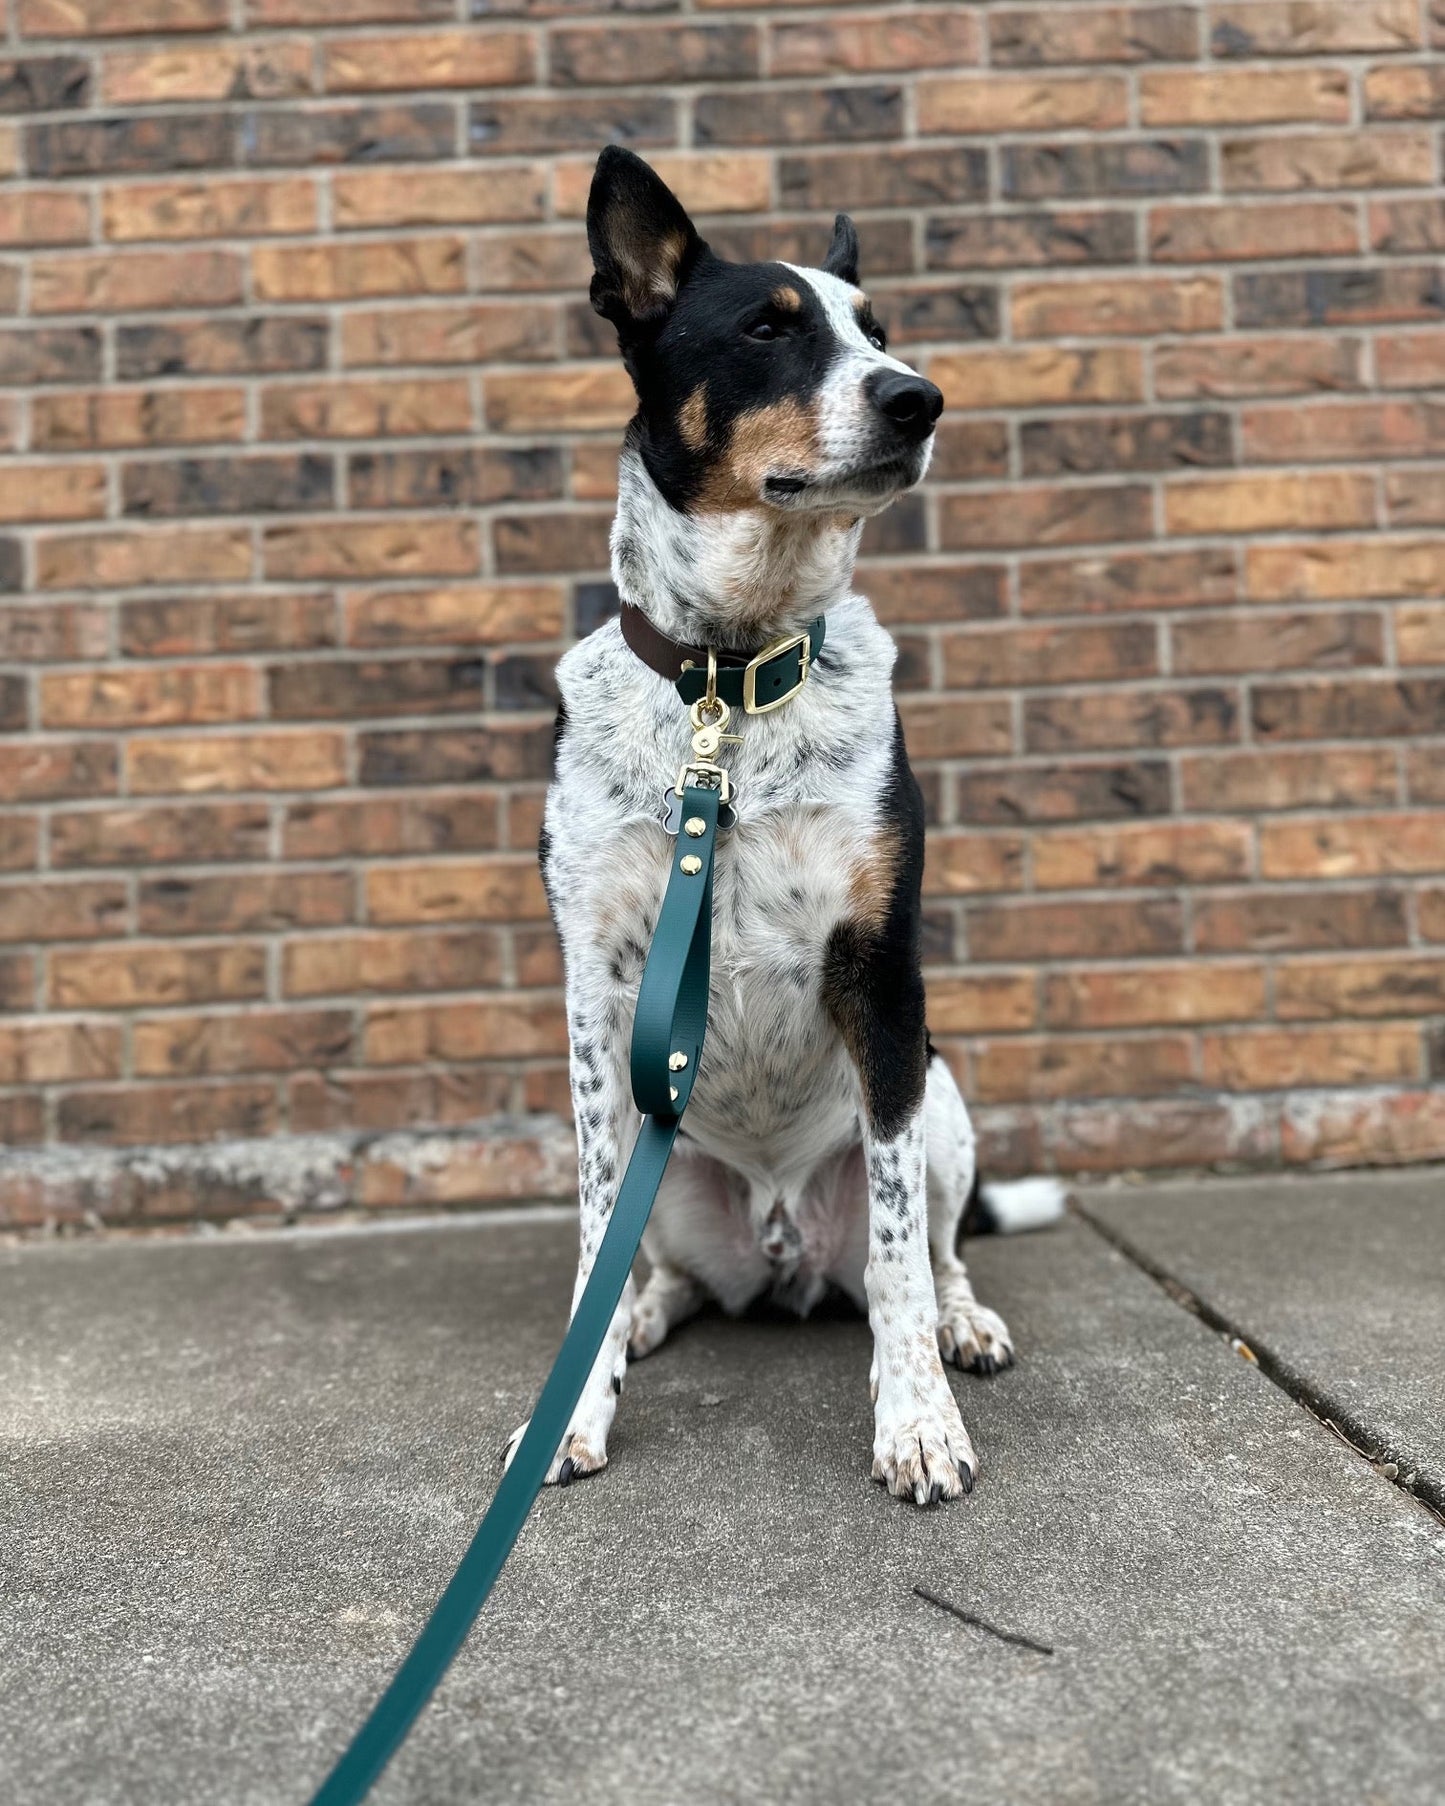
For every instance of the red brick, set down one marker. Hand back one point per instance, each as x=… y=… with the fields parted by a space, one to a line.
x=43 y=492
x=1145 y=853
x=1313 y=920
x=1100 y=34
x=245 y=903
x=1346 y=569
x=1386 y=429
x=1322 y=990
x=1082 y=1067
x=1290 y=1059
x=1128 y=306
x=58 y=1053
x=1405 y=91
x=475 y=333
x=43 y=216
x=1268 y=503
x=495 y=889
x=1245 y=782
x=116 y=419
x=377 y=826
x=965 y=864
x=174 y=696
x=437 y=197
x=470 y=614
x=511 y=1026
x=1340 y=160
x=1260 y=28
x=138 y=835
x=981 y=1003
x=1242 y=367
x=1357 y=846
x=1037 y=376
x=134 y=281
x=1409 y=360
x=441 y=59
x=1154 y=996
x=101 y=18
x=1234 y=97
x=259 y=1041
x=1380 y=1129
x=864 y=42
x=348 y=271
x=375 y=964
x=123 y=977
x=1045 y=517
x=190 y=764
x=76 y=910
x=132 y=557
x=215 y=72
x=395 y=547
x=137 y=1116
x=1131 y=718
x=1276 y=642
x=1214 y=234
x=1106 y=582
x=1175 y=1132
x=166 y=627
x=1075 y=930
x=212 y=209
x=1022 y=103
x=1029 y=656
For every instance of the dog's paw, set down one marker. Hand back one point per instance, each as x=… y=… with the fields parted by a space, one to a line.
x=648 y=1330
x=926 y=1459
x=576 y=1458
x=974 y=1339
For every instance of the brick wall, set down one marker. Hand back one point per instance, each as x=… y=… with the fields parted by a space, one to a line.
x=308 y=444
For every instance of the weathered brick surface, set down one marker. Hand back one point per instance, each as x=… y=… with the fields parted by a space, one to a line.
x=307 y=455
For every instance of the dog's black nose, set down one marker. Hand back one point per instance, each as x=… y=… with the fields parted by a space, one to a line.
x=910 y=402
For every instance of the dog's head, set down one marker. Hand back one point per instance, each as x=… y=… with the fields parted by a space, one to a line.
x=759 y=385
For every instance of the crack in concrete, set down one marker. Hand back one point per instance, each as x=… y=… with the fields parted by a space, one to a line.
x=1017 y=1638
x=1393 y=1465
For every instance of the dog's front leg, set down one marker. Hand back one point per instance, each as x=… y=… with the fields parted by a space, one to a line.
x=920 y=1447
x=606 y=1120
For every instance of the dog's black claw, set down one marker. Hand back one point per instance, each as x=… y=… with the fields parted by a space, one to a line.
x=935 y=1492
x=958 y=1359
x=965 y=1474
x=569 y=1469
x=986 y=1365
x=617 y=1383
x=632 y=1356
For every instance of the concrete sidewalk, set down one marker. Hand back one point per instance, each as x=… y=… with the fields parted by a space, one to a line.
x=234 y=1473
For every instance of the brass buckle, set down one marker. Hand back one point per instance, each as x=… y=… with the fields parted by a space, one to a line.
x=710 y=776
x=792 y=642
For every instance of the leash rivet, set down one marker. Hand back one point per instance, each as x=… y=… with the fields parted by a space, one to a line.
x=695 y=826
x=692 y=865
x=672 y=1092
x=676 y=1062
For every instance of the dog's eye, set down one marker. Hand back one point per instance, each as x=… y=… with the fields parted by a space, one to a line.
x=762 y=329
x=876 y=338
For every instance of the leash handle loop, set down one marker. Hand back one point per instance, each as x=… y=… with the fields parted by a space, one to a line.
x=675 y=987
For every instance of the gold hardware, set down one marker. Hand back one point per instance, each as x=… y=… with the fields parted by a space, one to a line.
x=691 y=864
x=713 y=776
x=695 y=826
x=709 y=695
x=792 y=642
x=677 y=1062
x=672 y=1092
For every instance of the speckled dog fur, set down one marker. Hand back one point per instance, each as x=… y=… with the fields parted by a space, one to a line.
x=823 y=1146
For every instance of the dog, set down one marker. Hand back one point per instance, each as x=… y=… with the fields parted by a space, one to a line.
x=826 y=1145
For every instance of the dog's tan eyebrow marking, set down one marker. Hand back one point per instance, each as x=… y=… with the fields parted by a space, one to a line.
x=692 y=421
x=788 y=299
x=861 y=303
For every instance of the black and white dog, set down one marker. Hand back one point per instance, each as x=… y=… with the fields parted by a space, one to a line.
x=824 y=1144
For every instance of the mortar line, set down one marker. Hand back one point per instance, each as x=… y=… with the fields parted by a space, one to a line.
x=1429 y=1489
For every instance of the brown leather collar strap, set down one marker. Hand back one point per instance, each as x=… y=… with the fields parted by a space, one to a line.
x=666 y=657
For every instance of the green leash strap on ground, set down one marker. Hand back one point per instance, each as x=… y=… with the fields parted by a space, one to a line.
x=671 y=1019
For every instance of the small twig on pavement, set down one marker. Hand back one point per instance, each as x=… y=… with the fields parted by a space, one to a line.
x=1004 y=1636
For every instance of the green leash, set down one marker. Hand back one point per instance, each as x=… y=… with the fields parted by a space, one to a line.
x=667 y=1038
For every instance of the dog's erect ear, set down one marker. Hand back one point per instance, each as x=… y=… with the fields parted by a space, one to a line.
x=842 y=258
x=642 y=242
